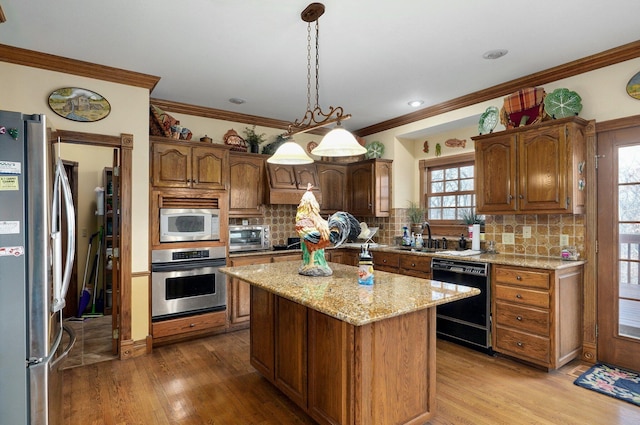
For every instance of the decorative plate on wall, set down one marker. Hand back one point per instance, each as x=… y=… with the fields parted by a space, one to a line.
x=633 y=86
x=488 y=120
x=78 y=104
x=375 y=150
x=562 y=103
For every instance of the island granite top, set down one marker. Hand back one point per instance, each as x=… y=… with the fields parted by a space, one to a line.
x=340 y=296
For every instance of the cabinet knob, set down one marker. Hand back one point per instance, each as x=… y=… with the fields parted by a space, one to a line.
x=413 y=264
x=518 y=296
x=521 y=196
x=518 y=277
x=520 y=344
x=519 y=318
x=192 y=325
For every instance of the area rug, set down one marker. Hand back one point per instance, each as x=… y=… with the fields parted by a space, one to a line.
x=612 y=381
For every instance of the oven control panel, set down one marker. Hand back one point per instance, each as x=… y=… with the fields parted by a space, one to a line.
x=190 y=255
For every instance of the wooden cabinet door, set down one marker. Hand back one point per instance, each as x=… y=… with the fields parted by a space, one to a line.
x=281 y=176
x=305 y=174
x=496 y=175
x=542 y=170
x=246 y=185
x=291 y=350
x=262 y=332
x=333 y=181
x=360 y=190
x=171 y=165
x=208 y=168
x=240 y=302
x=382 y=193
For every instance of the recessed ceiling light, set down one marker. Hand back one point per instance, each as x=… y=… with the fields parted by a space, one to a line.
x=495 y=54
x=237 y=100
x=416 y=103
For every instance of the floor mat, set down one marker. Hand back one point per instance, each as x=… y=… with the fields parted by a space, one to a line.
x=612 y=381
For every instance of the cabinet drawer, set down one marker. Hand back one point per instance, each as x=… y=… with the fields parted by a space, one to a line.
x=528 y=278
x=522 y=344
x=522 y=296
x=415 y=263
x=189 y=324
x=386 y=260
x=523 y=318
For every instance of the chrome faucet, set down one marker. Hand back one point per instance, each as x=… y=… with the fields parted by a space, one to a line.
x=429 y=240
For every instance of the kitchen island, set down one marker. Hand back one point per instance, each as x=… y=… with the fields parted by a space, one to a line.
x=346 y=353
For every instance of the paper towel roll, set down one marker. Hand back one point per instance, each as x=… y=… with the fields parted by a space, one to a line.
x=475 y=239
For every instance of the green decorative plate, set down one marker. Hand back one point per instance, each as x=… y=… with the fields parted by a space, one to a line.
x=375 y=150
x=562 y=103
x=488 y=120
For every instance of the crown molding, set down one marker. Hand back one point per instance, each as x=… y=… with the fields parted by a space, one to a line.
x=580 y=66
x=49 y=62
x=220 y=114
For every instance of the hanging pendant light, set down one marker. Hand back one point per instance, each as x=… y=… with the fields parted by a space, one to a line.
x=290 y=153
x=338 y=142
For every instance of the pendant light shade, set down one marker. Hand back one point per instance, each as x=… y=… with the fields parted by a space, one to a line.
x=339 y=142
x=290 y=153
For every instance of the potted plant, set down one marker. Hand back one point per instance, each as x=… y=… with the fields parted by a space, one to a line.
x=253 y=139
x=416 y=216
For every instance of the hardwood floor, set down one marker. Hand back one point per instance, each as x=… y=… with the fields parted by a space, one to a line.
x=93 y=341
x=210 y=381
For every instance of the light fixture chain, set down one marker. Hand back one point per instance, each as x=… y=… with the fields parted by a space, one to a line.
x=317 y=64
x=309 y=66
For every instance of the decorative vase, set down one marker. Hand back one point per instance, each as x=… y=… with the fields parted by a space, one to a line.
x=416 y=228
x=254 y=148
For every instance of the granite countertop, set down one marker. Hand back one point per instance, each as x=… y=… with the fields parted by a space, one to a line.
x=340 y=296
x=517 y=260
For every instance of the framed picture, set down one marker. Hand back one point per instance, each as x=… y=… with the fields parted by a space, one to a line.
x=78 y=104
x=633 y=86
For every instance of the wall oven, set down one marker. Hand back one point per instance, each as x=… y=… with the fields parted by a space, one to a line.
x=467 y=321
x=187 y=281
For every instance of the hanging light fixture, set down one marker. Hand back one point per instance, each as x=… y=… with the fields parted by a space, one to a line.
x=338 y=142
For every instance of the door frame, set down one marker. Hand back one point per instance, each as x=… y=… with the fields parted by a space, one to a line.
x=124 y=143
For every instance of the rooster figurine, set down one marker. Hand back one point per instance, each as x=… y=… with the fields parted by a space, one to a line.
x=317 y=233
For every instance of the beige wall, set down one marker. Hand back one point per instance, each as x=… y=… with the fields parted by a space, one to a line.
x=27 y=89
x=603 y=94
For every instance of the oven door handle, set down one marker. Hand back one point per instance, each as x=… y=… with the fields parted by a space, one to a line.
x=187 y=265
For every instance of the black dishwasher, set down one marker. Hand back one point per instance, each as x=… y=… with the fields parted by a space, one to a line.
x=466 y=321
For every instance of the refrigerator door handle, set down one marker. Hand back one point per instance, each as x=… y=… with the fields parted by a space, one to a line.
x=35 y=361
x=72 y=341
x=60 y=282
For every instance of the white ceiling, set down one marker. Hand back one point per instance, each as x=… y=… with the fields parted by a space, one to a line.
x=375 y=55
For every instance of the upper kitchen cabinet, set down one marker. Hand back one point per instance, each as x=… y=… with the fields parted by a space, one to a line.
x=246 y=185
x=333 y=181
x=287 y=183
x=369 y=188
x=189 y=165
x=537 y=169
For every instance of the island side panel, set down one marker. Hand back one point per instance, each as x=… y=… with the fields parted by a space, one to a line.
x=262 y=332
x=291 y=350
x=395 y=369
x=331 y=357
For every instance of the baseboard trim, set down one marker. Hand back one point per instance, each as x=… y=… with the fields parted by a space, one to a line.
x=130 y=349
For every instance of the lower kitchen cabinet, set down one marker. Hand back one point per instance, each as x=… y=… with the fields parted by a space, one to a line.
x=239 y=298
x=415 y=265
x=386 y=261
x=188 y=327
x=537 y=314
x=343 y=256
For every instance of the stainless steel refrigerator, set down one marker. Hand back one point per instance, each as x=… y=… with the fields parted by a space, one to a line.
x=34 y=192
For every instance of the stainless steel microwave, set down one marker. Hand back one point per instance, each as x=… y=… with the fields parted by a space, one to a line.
x=249 y=238
x=189 y=224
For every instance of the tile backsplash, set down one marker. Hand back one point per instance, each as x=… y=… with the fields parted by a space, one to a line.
x=546 y=229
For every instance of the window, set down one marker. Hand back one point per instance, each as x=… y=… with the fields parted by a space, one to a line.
x=447 y=185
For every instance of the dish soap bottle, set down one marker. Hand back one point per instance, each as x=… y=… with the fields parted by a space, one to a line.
x=365 y=267
x=406 y=239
